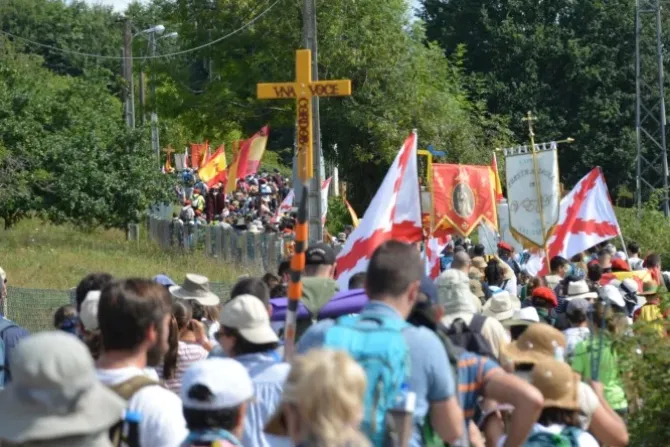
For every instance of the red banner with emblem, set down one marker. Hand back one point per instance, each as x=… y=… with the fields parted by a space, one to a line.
x=463 y=196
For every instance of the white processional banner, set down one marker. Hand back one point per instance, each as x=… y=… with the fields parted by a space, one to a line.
x=504 y=228
x=532 y=177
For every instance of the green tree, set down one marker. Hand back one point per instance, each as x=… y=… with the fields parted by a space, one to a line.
x=64 y=150
x=398 y=83
x=569 y=61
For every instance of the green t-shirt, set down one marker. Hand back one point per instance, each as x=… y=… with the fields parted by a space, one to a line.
x=608 y=374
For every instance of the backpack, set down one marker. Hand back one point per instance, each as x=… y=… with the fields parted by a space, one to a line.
x=469 y=336
x=381 y=350
x=125 y=433
x=569 y=437
x=429 y=437
x=4 y=325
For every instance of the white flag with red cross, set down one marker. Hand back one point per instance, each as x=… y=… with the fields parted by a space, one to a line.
x=394 y=213
x=586 y=218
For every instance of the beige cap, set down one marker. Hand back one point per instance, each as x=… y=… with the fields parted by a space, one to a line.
x=249 y=316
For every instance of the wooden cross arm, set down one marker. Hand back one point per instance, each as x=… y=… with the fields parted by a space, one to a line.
x=288 y=90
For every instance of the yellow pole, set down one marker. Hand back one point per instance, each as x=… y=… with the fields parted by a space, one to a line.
x=538 y=189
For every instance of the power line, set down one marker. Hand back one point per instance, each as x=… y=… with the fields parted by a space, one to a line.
x=158 y=56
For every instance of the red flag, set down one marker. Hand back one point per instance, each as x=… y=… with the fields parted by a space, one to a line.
x=197 y=152
x=463 y=197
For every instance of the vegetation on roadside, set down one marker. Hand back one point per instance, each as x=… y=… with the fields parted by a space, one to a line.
x=40 y=255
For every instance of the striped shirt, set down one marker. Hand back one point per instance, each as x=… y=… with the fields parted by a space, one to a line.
x=473 y=371
x=187 y=354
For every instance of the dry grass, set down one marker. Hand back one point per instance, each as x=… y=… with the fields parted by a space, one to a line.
x=44 y=256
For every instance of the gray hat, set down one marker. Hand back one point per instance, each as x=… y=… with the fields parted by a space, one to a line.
x=54 y=393
x=577 y=304
x=195 y=287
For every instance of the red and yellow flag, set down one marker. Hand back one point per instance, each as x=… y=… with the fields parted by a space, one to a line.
x=247 y=159
x=352 y=212
x=214 y=170
x=204 y=156
x=463 y=196
x=496 y=173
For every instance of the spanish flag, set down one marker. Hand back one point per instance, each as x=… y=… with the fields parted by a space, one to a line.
x=498 y=186
x=352 y=212
x=247 y=159
x=214 y=170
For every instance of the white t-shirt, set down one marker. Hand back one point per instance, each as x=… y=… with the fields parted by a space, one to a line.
x=585 y=439
x=162 y=423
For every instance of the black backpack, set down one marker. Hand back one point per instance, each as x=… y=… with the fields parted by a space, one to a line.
x=469 y=336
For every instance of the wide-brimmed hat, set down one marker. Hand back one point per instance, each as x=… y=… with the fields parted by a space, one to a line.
x=580 y=289
x=195 y=287
x=522 y=317
x=499 y=306
x=453 y=292
x=55 y=393
x=649 y=288
x=537 y=343
x=558 y=383
x=479 y=262
x=249 y=316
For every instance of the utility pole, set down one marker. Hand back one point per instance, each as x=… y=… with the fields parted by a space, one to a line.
x=155 y=144
x=128 y=74
x=314 y=199
x=650 y=116
x=142 y=94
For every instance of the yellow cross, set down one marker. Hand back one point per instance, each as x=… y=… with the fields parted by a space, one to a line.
x=303 y=89
x=168 y=150
x=530 y=118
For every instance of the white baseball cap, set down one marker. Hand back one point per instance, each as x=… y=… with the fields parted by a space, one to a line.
x=226 y=379
x=613 y=294
x=249 y=316
x=88 y=315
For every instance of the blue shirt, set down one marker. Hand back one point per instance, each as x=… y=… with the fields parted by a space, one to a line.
x=431 y=377
x=11 y=337
x=268 y=376
x=473 y=371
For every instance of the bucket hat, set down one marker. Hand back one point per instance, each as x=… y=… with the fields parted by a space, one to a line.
x=558 y=383
x=195 y=287
x=580 y=289
x=55 y=393
x=499 y=306
x=538 y=342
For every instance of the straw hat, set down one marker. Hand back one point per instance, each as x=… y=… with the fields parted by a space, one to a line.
x=537 y=343
x=580 y=289
x=195 y=287
x=558 y=383
x=499 y=306
x=649 y=288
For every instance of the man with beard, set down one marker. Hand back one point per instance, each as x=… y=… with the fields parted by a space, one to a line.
x=134 y=318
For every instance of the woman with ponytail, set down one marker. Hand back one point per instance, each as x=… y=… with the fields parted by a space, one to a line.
x=188 y=343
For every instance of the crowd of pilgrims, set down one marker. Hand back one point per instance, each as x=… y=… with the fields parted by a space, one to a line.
x=484 y=355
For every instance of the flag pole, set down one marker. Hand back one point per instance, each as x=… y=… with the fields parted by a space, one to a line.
x=295 y=283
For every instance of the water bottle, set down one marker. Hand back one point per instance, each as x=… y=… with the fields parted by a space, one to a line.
x=402 y=412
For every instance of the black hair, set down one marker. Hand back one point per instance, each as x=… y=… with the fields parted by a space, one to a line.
x=279 y=291
x=577 y=316
x=252 y=286
x=65 y=317
x=198 y=310
x=224 y=418
x=494 y=273
x=458 y=249
x=594 y=272
x=93 y=281
x=561 y=416
x=357 y=281
x=653 y=260
x=633 y=248
x=557 y=262
x=243 y=346
x=479 y=250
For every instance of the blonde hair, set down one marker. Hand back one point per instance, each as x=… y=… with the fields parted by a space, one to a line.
x=327 y=388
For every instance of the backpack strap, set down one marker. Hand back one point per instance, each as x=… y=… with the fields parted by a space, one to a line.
x=477 y=323
x=131 y=386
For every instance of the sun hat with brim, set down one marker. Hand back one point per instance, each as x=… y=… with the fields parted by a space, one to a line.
x=649 y=288
x=54 y=392
x=537 y=343
x=580 y=289
x=248 y=315
x=479 y=262
x=558 y=383
x=195 y=287
x=612 y=294
x=499 y=306
x=522 y=317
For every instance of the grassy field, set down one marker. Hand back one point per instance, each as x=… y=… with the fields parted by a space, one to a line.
x=43 y=256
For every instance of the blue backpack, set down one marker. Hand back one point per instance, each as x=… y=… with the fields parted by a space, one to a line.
x=4 y=325
x=377 y=344
x=569 y=437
